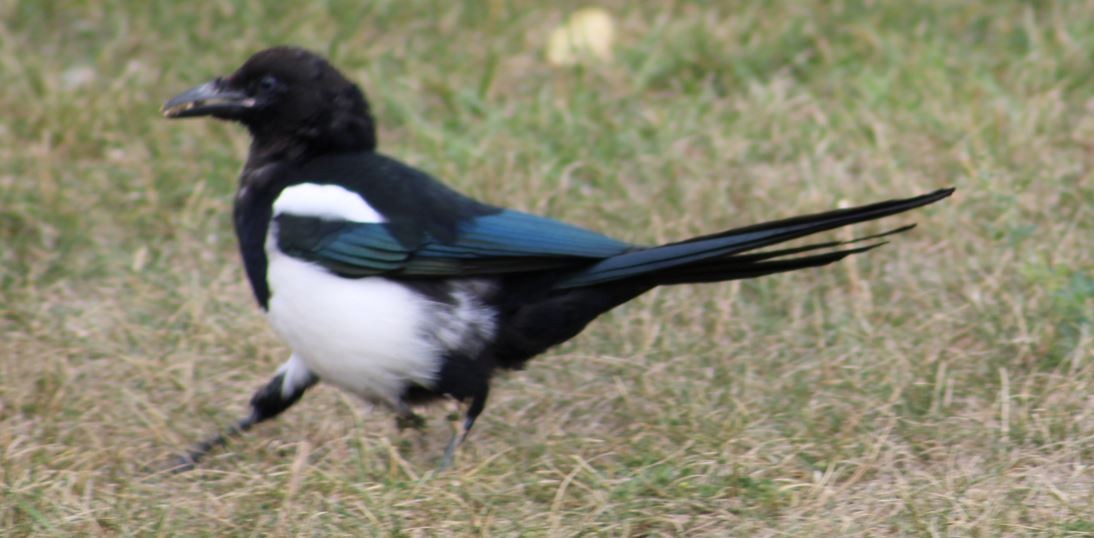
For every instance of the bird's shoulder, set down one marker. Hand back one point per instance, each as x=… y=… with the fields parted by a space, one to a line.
x=367 y=187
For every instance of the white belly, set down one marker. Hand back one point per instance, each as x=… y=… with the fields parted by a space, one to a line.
x=363 y=335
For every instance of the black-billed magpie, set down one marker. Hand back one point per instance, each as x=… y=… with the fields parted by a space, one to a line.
x=400 y=290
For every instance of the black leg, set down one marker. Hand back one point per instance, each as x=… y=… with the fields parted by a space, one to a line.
x=279 y=394
x=478 y=403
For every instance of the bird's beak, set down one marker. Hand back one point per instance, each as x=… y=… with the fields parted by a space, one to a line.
x=209 y=99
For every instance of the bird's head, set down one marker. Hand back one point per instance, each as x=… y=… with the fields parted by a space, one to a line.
x=285 y=96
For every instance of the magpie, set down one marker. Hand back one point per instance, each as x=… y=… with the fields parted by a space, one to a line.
x=400 y=290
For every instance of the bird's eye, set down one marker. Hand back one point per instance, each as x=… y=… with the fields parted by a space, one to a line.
x=268 y=83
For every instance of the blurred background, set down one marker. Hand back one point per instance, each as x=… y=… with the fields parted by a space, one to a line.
x=941 y=385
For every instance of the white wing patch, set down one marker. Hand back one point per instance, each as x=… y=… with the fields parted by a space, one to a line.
x=325 y=201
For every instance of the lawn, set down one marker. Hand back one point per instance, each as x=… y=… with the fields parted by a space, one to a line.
x=940 y=386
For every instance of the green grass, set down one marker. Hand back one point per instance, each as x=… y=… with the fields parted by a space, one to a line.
x=939 y=386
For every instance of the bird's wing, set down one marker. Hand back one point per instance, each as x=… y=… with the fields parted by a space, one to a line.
x=504 y=242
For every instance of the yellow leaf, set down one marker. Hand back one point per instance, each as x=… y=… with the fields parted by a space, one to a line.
x=586 y=35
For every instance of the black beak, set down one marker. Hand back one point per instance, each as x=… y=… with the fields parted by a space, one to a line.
x=209 y=99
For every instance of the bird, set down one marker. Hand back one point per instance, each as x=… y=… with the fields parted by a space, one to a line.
x=396 y=288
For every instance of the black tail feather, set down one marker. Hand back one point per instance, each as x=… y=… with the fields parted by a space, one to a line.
x=818 y=222
x=719 y=256
x=730 y=268
x=768 y=254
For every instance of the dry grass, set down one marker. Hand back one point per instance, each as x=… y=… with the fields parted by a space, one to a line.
x=939 y=386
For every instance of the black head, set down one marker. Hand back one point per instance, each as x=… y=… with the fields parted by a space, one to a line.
x=286 y=96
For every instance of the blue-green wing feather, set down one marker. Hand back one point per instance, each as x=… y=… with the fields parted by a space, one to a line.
x=508 y=241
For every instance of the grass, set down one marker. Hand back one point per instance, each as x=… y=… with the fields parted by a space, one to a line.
x=939 y=386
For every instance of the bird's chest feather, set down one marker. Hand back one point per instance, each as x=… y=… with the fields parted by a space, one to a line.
x=367 y=336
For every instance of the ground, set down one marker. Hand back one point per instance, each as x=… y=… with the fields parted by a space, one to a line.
x=939 y=386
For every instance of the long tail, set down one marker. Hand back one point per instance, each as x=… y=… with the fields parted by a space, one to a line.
x=718 y=257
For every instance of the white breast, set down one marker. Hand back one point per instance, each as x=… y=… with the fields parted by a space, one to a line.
x=364 y=335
